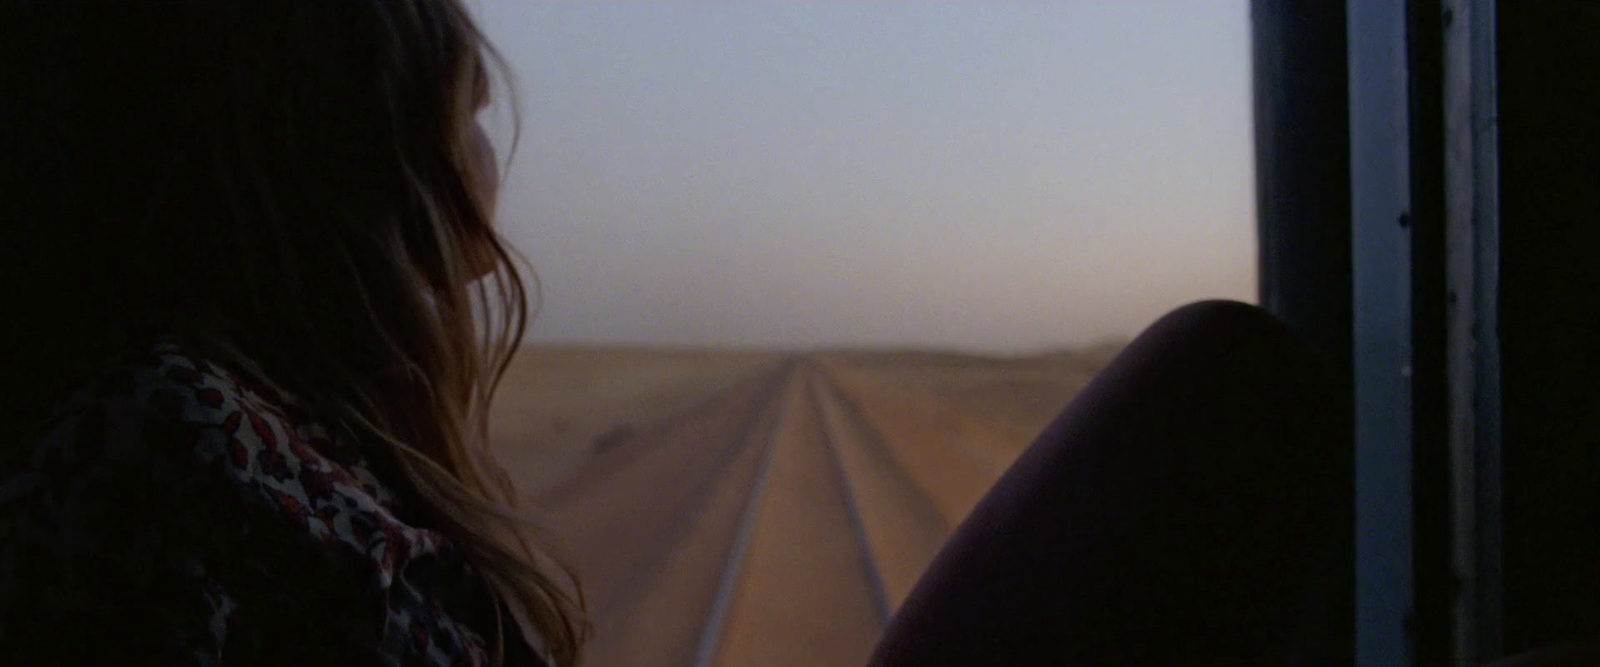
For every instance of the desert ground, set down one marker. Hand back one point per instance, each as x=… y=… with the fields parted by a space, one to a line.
x=754 y=509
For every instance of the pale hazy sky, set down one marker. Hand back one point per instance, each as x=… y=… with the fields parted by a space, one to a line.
x=982 y=176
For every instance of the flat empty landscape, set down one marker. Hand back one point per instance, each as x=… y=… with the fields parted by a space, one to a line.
x=759 y=509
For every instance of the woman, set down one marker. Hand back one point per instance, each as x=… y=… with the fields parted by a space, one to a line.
x=256 y=311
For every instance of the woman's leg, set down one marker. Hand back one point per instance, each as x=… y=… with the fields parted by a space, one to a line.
x=1187 y=508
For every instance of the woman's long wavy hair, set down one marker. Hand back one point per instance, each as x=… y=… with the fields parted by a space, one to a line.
x=292 y=183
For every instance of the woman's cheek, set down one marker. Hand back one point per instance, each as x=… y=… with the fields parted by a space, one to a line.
x=486 y=171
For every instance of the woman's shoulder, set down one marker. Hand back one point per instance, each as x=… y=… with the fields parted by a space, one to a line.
x=171 y=403
x=174 y=474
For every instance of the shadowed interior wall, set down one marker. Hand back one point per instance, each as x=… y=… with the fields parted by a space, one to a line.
x=1550 y=320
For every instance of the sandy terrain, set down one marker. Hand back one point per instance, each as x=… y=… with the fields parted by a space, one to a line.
x=761 y=509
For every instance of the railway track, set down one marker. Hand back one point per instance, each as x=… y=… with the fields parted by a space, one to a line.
x=771 y=524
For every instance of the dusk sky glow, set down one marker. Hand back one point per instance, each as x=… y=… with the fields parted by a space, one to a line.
x=979 y=176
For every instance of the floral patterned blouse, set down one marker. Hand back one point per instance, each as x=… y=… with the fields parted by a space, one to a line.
x=174 y=512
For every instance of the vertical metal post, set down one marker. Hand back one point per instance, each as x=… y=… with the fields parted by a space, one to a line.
x=1381 y=275
x=1472 y=273
x=1302 y=145
x=1302 y=135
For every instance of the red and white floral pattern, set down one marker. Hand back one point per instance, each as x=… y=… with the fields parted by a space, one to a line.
x=177 y=512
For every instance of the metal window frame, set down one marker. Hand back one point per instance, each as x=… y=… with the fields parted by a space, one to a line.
x=1472 y=249
x=1381 y=279
x=1310 y=136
